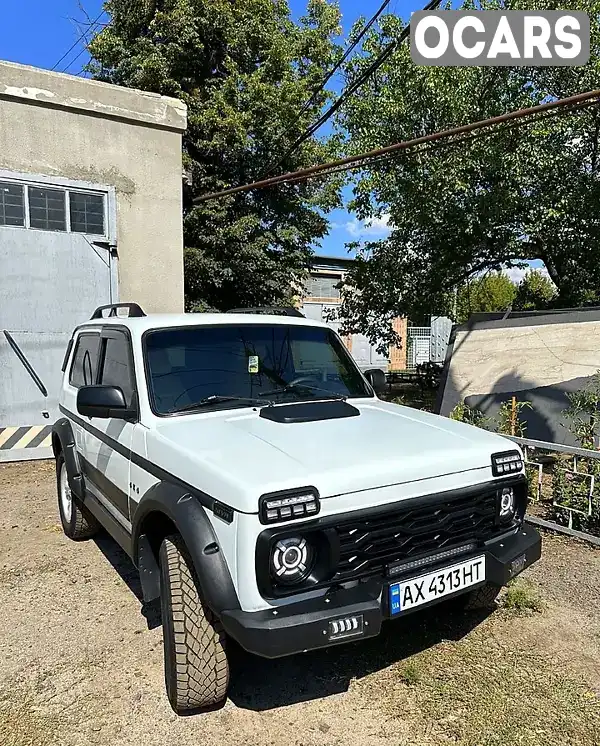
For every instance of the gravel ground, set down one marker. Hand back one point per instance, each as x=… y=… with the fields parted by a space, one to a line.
x=81 y=661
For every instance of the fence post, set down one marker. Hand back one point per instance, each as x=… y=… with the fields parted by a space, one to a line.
x=513 y=416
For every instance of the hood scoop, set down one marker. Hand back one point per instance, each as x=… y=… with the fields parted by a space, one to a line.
x=312 y=411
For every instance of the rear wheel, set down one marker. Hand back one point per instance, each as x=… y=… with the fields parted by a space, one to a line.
x=76 y=521
x=196 y=667
x=482 y=597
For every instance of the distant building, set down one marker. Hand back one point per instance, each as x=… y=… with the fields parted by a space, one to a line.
x=322 y=300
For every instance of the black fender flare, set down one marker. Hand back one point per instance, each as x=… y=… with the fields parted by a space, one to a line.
x=189 y=517
x=62 y=432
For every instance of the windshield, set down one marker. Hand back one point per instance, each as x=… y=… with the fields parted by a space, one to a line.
x=262 y=362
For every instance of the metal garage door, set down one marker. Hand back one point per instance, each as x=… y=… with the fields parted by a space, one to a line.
x=53 y=276
x=363 y=351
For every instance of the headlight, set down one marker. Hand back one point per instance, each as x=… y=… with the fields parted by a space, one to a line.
x=509 y=462
x=288 y=505
x=507 y=505
x=292 y=559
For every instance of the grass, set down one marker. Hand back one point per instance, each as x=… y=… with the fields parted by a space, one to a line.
x=410 y=673
x=521 y=597
x=477 y=692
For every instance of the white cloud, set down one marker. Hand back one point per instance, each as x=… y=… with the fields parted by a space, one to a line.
x=516 y=274
x=371 y=227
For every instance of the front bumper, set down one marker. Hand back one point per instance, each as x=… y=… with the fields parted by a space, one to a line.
x=308 y=625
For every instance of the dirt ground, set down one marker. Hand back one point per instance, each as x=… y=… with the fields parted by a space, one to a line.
x=81 y=661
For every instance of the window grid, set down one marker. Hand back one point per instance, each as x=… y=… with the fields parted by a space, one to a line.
x=86 y=213
x=101 y=216
x=47 y=209
x=12 y=210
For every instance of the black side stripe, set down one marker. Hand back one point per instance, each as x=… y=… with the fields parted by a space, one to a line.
x=116 y=497
x=164 y=476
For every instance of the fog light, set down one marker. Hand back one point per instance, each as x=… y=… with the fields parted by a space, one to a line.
x=292 y=560
x=347 y=627
x=507 y=505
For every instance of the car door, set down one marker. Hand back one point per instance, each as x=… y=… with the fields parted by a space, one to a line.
x=108 y=440
x=82 y=372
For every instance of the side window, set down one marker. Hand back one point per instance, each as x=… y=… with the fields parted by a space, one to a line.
x=85 y=360
x=116 y=366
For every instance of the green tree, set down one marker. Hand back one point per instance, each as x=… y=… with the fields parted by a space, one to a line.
x=491 y=202
x=491 y=292
x=245 y=70
x=535 y=292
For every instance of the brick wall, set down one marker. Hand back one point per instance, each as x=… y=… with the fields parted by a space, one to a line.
x=398 y=354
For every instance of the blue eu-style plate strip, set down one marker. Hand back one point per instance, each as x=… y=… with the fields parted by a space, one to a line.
x=395 y=598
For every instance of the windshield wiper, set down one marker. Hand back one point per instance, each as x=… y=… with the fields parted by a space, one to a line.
x=292 y=386
x=216 y=399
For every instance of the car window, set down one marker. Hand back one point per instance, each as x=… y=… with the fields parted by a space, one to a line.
x=85 y=360
x=189 y=364
x=116 y=365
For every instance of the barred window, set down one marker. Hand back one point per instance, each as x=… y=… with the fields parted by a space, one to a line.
x=87 y=213
x=47 y=209
x=12 y=206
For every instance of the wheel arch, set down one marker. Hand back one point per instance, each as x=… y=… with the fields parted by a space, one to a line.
x=168 y=508
x=63 y=442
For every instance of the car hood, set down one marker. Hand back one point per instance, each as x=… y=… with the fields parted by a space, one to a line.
x=236 y=455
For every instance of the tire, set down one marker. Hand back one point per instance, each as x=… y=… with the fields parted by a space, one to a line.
x=77 y=522
x=196 y=666
x=481 y=598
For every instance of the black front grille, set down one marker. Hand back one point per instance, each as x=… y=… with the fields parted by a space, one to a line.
x=419 y=528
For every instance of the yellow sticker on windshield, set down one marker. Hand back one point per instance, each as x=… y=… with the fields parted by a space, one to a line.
x=253 y=364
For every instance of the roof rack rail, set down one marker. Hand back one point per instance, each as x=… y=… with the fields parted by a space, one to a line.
x=270 y=311
x=134 y=309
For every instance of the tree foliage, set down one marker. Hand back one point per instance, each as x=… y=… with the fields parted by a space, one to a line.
x=535 y=292
x=244 y=69
x=490 y=292
x=458 y=210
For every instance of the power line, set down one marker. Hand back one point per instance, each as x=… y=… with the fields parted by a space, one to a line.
x=353 y=87
x=310 y=101
x=461 y=140
x=76 y=42
x=365 y=158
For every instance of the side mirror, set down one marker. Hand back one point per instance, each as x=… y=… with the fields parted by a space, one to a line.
x=376 y=378
x=102 y=401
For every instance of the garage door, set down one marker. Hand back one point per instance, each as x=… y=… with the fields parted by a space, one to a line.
x=56 y=268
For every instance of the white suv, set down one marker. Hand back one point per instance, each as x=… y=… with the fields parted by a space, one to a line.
x=266 y=494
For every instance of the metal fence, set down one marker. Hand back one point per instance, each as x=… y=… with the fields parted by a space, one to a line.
x=428 y=343
x=418 y=346
x=579 y=502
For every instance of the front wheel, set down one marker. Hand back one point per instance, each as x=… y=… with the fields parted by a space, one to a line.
x=196 y=667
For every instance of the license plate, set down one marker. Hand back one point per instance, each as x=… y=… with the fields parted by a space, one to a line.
x=416 y=591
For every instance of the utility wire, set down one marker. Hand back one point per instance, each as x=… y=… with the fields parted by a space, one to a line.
x=461 y=140
x=311 y=100
x=353 y=87
x=76 y=42
x=365 y=158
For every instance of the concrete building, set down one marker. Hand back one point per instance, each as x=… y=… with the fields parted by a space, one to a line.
x=321 y=302
x=90 y=213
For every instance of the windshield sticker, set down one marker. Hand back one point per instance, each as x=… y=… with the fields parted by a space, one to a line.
x=253 y=364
